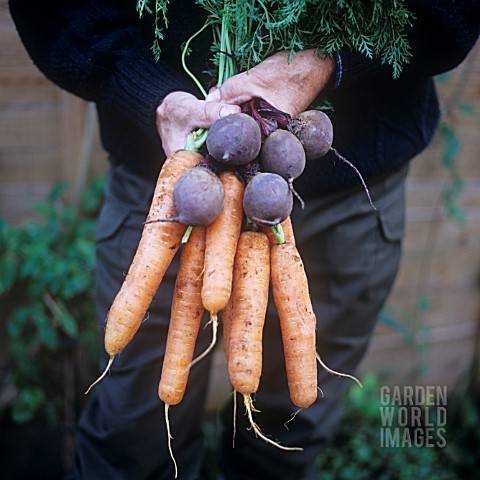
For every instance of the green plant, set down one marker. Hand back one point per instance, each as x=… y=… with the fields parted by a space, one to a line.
x=356 y=452
x=249 y=31
x=46 y=288
x=449 y=136
x=462 y=450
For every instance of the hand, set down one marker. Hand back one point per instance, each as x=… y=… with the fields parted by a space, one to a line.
x=181 y=113
x=290 y=87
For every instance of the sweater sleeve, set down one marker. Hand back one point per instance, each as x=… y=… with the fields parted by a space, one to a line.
x=442 y=34
x=99 y=51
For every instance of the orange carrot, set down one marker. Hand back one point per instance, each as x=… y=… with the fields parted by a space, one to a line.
x=222 y=239
x=157 y=247
x=186 y=314
x=227 y=313
x=249 y=306
x=297 y=321
x=289 y=236
x=220 y=248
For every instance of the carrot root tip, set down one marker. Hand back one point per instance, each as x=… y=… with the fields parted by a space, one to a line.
x=294 y=414
x=234 y=417
x=247 y=399
x=321 y=392
x=107 y=368
x=169 y=440
x=214 y=322
x=340 y=374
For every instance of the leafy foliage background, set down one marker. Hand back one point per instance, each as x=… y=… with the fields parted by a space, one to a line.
x=47 y=287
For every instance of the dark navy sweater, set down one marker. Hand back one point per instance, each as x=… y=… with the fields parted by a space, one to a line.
x=100 y=51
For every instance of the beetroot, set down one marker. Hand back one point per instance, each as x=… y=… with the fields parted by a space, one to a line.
x=267 y=200
x=198 y=197
x=315 y=130
x=282 y=153
x=235 y=139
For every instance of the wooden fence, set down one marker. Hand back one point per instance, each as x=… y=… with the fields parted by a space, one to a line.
x=436 y=296
x=44 y=131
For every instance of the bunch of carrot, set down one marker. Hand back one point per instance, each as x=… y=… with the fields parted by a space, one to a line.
x=224 y=267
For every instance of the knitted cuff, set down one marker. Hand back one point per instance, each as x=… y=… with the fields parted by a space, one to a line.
x=338 y=70
x=353 y=67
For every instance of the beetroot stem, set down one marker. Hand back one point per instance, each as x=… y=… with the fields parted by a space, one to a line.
x=278 y=232
x=187 y=233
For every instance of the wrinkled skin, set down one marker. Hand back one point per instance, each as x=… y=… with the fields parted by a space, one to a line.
x=290 y=87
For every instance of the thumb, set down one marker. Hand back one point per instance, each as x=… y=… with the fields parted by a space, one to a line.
x=235 y=90
x=212 y=111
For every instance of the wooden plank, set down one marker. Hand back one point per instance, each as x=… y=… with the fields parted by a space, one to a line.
x=34 y=165
x=447 y=308
x=444 y=363
x=456 y=269
x=30 y=129
x=41 y=126
x=71 y=129
x=13 y=206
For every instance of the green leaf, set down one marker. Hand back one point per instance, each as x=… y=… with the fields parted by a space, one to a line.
x=27 y=403
x=46 y=210
x=8 y=272
x=16 y=321
x=465 y=108
x=54 y=254
x=389 y=321
x=57 y=191
x=47 y=333
x=66 y=320
x=424 y=303
x=257 y=29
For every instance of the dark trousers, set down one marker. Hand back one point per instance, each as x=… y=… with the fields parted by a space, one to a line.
x=351 y=254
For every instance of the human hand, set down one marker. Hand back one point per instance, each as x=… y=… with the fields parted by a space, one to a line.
x=290 y=87
x=180 y=113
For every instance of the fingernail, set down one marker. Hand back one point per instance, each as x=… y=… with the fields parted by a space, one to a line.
x=214 y=96
x=228 y=110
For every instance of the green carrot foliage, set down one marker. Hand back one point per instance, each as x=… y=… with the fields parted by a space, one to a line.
x=258 y=28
